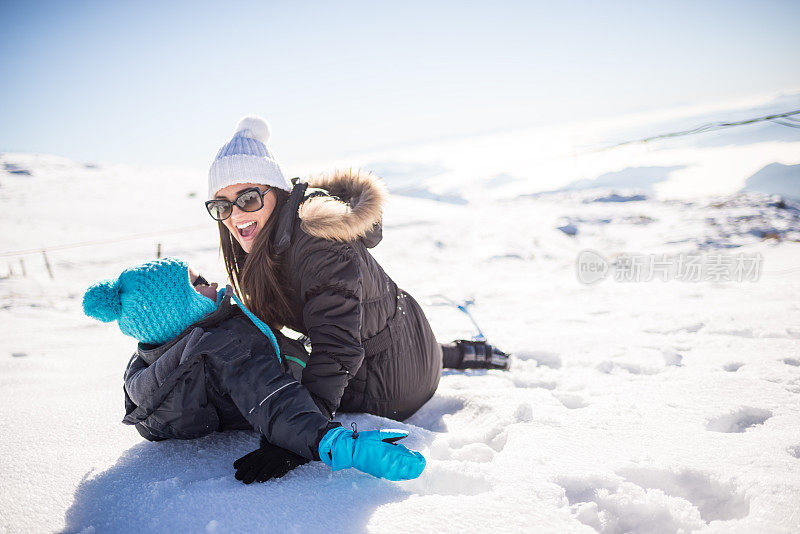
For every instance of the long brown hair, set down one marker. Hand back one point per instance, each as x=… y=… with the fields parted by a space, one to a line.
x=258 y=277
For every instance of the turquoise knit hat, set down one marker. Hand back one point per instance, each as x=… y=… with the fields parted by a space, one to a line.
x=153 y=302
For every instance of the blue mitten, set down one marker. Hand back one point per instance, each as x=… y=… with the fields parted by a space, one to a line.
x=374 y=452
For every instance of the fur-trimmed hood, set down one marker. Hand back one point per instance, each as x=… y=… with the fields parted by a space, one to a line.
x=342 y=206
x=350 y=210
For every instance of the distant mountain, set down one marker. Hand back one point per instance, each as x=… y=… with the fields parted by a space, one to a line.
x=632 y=178
x=776 y=179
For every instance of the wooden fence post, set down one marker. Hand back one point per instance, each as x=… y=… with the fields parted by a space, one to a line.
x=47 y=264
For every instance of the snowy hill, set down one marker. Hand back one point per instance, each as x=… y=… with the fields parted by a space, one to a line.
x=776 y=179
x=649 y=406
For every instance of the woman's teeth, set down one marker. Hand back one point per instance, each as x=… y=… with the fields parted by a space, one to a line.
x=246 y=229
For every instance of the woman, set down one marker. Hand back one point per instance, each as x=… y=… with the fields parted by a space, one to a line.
x=297 y=255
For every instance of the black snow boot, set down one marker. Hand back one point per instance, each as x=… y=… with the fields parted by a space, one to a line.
x=463 y=354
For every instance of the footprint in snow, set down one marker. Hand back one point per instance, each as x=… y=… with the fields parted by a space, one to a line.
x=652 y=500
x=792 y=361
x=672 y=357
x=571 y=401
x=431 y=415
x=532 y=382
x=439 y=479
x=733 y=366
x=644 y=361
x=608 y=366
x=741 y=332
x=714 y=500
x=487 y=426
x=739 y=420
x=692 y=328
x=613 y=506
x=474 y=452
x=541 y=357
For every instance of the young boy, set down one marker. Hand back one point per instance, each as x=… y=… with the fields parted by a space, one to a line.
x=203 y=365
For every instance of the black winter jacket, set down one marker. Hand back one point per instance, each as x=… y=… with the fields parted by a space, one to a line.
x=372 y=349
x=222 y=373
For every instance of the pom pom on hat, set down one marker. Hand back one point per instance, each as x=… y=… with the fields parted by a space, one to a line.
x=254 y=128
x=102 y=302
x=245 y=159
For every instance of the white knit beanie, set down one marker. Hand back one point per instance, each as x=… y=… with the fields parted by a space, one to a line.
x=245 y=159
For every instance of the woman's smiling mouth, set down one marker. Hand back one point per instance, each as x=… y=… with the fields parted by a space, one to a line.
x=247 y=229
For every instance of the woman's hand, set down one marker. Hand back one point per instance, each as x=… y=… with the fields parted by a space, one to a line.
x=375 y=452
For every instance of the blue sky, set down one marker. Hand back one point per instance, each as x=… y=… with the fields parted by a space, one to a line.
x=165 y=82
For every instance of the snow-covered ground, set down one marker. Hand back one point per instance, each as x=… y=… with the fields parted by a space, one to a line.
x=631 y=406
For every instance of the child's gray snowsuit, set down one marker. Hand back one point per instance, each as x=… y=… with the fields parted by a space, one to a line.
x=222 y=373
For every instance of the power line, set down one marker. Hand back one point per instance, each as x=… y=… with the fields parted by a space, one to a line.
x=784 y=119
x=787 y=123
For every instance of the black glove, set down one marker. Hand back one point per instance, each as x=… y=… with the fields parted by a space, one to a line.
x=266 y=462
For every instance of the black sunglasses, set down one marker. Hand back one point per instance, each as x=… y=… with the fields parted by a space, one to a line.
x=248 y=200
